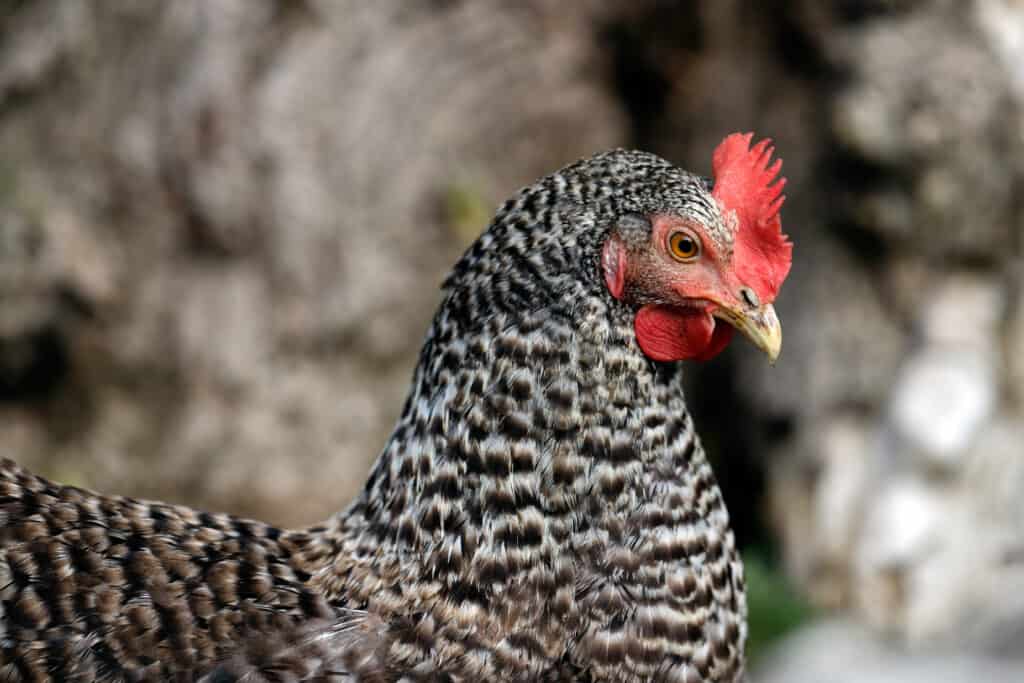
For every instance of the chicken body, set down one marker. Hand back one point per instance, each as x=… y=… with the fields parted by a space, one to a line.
x=109 y=588
x=543 y=510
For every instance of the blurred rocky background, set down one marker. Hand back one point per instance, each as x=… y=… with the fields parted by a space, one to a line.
x=223 y=224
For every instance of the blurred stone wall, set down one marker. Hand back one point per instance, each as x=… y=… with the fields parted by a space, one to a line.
x=900 y=491
x=223 y=224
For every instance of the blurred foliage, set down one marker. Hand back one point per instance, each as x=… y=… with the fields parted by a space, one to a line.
x=775 y=606
x=467 y=211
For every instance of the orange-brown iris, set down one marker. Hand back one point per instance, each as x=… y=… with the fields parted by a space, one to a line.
x=683 y=246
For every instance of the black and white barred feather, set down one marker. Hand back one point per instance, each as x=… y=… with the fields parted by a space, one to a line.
x=543 y=510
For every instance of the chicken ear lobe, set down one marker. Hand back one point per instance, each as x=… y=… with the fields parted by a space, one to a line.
x=613 y=266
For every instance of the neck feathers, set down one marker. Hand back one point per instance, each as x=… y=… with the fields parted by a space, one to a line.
x=543 y=500
x=543 y=477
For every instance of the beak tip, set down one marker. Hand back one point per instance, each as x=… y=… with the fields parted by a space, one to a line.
x=774 y=347
x=772 y=333
x=762 y=328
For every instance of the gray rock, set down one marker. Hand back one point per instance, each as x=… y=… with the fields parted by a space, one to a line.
x=821 y=517
x=1015 y=356
x=974 y=575
x=964 y=309
x=902 y=355
x=841 y=651
x=843 y=344
x=233 y=217
x=936 y=110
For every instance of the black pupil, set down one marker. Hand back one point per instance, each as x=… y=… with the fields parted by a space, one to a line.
x=685 y=245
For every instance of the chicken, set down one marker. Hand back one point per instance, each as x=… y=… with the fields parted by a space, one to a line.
x=543 y=509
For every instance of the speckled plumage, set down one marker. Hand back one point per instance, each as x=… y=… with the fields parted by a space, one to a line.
x=542 y=511
x=109 y=588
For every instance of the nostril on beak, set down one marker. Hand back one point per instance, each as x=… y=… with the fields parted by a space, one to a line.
x=750 y=297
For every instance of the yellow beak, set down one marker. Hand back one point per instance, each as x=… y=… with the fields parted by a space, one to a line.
x=760 y=325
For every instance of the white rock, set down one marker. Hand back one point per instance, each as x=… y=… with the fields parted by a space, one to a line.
x=901 y=525
x=1003 y=23
x=942 y=398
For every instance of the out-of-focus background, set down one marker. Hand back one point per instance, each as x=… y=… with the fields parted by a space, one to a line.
x=223 y=224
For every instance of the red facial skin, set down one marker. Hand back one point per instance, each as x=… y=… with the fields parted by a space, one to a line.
x=675 y=321
x=678 y=297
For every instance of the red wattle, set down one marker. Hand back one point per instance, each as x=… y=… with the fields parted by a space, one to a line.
x=720 y=338
x=667 y=333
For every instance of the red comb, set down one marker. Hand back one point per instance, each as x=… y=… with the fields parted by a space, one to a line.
x=746 y=184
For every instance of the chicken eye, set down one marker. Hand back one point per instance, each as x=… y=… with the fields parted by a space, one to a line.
x=683 y=246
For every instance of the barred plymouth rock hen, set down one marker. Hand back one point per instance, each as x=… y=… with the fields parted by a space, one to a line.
x=542 y=511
